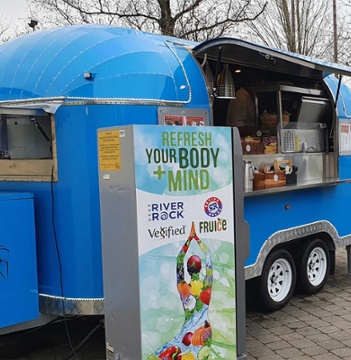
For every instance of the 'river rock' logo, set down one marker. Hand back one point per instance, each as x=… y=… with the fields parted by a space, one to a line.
x=166 y=211
x=213 y=206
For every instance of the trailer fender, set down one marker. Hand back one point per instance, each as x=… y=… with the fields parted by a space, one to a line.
x=286 y=236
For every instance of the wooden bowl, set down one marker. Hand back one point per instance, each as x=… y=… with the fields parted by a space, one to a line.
x=271 y=121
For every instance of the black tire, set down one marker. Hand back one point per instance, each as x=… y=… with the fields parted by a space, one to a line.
x=278 y=280
x=313 y=266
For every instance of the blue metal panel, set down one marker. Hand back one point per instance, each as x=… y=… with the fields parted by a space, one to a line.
x=7 y=196
x=345 y=167
x=306 y=206
x=18 y=271
x=124 y=64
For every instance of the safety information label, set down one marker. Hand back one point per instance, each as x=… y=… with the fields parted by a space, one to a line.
x=109 y=150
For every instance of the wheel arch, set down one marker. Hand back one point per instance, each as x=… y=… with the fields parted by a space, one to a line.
x=291 y=239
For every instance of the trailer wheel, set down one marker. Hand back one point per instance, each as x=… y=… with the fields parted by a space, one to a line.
x=278 y=279
x=313 y=267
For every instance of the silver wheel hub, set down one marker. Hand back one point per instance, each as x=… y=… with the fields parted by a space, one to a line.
x=316 y=266
x=279 y=280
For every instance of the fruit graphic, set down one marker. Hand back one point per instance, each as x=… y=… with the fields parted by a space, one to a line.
x=194 y=264
x=187 y=338
x=184 y=289
x=186 y=356
x=196 y=285
x=170 y=353
x=205 y=295
x=189 y=302
x=194 y=294
x=201 y=334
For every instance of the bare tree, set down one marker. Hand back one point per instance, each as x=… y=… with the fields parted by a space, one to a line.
x=335 y=32
x=343 y=19
x=189 y=19
x=4 y=28
x=302 y=26
x=11 y=28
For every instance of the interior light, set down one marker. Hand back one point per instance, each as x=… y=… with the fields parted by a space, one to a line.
x=225 y=84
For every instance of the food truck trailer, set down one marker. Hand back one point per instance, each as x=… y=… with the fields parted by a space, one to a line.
x=292 y=162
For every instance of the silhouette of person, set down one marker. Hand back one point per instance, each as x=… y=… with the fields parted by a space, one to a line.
x=196 y=334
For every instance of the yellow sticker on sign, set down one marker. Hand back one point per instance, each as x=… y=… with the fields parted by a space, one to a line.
x=109 y=150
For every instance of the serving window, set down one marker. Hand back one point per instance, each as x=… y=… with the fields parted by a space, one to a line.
x=27 y=146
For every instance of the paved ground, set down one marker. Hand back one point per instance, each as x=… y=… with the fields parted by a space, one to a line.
x=315 y=327
x=309 y=328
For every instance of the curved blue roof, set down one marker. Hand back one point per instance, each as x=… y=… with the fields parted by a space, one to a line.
x=124 y=63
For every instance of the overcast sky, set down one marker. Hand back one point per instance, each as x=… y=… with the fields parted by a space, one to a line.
x=14 y=9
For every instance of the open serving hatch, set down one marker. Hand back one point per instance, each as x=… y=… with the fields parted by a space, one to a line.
x=258 y=56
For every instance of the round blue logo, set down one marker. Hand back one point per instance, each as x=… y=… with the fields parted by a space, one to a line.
x=213 y=206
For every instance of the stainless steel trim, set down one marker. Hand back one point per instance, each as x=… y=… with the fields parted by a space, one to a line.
x=301 y=186
x=32 y=101
x=183 y=69
x=57 y=305
x=287 y=235
x=74 y=101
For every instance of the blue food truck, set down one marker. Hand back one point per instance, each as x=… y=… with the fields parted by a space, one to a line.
x=59 y=86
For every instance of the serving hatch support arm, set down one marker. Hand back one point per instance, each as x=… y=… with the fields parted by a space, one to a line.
x=332 y=129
